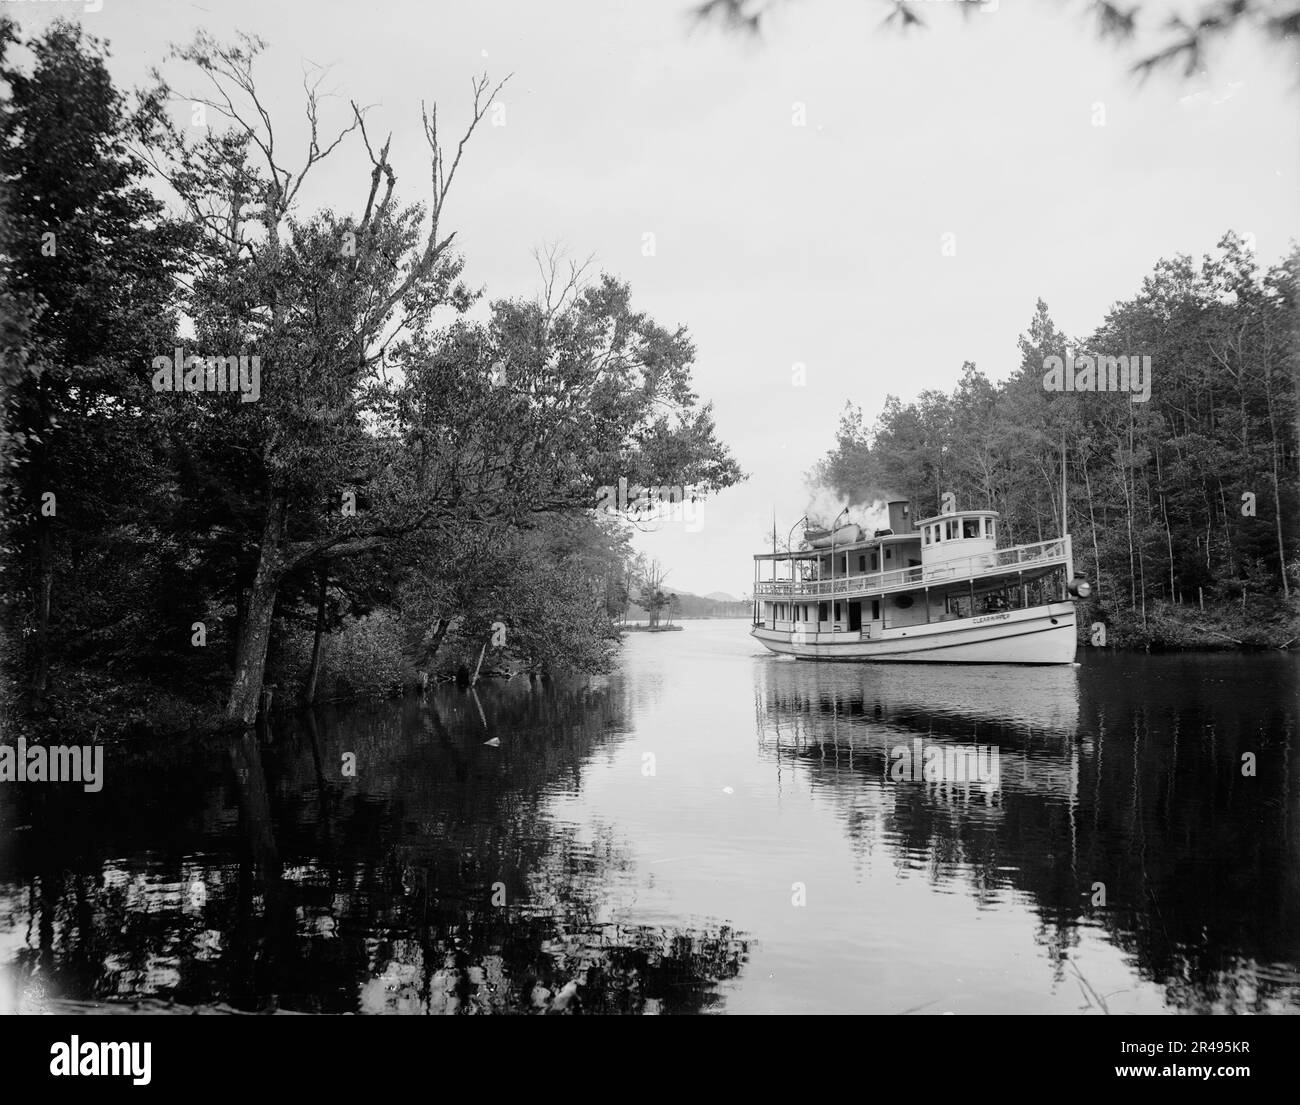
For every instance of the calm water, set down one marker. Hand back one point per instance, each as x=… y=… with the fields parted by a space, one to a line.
x=709 y=829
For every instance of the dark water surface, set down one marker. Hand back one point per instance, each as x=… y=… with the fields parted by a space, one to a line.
x=710 y=829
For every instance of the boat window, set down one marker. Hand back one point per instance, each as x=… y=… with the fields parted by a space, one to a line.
x=862 y=563
x=889 y=554
x=926 y=532
x=822 y=607
x=971 y=527
x=951 y=531
x=837 y=611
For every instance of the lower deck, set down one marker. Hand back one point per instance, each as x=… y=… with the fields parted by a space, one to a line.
x=870 y=617
x=1043 y=634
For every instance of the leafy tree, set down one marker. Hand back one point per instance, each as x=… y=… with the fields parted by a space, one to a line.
x=1193 y=493
x=378 y=422
x=89 y=265
x=652 y=597
x=376 y=466
x=1187 y=39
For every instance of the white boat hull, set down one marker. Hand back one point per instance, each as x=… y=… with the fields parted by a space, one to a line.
x=1039 y=635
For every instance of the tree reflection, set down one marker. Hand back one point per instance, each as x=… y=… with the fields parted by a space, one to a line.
x=256 y=871
x=1122 y=803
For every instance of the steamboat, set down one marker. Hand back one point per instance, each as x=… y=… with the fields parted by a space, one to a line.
x=938 y=590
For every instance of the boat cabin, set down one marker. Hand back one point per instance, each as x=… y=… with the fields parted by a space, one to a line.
x=944 y=568
x=954 y=536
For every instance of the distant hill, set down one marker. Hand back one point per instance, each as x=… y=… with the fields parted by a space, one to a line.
x=716 y=605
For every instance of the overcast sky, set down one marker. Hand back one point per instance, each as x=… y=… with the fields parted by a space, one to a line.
x=778 y=244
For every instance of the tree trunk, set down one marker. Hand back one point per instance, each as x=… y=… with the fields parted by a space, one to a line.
x=1142 y=587
x=1169 y=535
x=431 y=650
x=474 y=678
x=255 y=631
x=1277 y=523
x=309 y=689
x=1277 y=498
x=45 y=585
x=1092 y=520
x=1128 y=520
x=1227 y=529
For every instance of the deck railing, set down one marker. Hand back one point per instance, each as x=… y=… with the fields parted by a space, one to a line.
x=967 y=567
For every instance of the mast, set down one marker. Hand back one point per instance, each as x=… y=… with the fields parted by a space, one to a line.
x=774 y=544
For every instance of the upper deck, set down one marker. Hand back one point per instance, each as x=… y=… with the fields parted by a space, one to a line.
x=950 y=548
x=957 y=569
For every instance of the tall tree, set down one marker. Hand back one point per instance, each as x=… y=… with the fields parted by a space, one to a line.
x=377 y=420
x=89 y=265
x=1188 y=488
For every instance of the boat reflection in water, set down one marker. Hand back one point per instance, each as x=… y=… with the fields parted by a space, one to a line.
x=955 y=727
x=1120 y=813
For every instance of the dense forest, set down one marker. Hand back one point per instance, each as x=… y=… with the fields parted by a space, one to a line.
x=1183 y=505
x=257 y=455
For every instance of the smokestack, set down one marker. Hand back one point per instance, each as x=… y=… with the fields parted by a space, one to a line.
x=900 y=516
